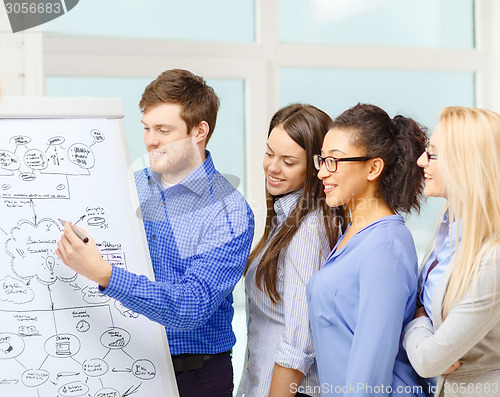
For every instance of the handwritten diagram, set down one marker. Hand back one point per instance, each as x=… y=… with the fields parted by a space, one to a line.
x=59 y=335
x=43 y=173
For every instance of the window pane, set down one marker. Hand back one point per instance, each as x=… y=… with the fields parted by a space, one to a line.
x=406 y=23
x=417 y=94
x=215 y=20
x=229 y=132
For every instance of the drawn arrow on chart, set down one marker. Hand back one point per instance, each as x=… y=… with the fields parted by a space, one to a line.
x=65 y=374
x=51 y=301
x=52 y=307
x=80 y=219
x=32 y=204
x=9 y=382
x=121 y=370
x=76 y=287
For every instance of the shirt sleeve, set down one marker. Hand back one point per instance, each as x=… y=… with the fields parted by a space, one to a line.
x=304 y=255
x=387 y=281
x=212 y=275
x=467 y=324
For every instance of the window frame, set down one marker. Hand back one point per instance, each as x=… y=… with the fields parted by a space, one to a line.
x=259 y=63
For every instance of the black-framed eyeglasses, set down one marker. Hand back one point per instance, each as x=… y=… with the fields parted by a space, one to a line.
x=430 y=156
x=331 y=162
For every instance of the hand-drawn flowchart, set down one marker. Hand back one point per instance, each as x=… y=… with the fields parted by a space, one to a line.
x=44 y=173
x=59 y=335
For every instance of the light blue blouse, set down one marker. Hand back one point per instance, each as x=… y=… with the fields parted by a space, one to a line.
x=359 y=303
x=444 y=249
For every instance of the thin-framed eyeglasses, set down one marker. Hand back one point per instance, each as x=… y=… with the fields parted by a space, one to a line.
x=331 y=162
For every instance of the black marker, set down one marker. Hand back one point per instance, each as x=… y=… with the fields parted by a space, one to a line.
x=84 y=238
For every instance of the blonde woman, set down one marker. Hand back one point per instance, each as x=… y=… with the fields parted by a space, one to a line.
x=461 y=343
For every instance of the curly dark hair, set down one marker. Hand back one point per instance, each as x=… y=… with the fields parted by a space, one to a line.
x=399 y=142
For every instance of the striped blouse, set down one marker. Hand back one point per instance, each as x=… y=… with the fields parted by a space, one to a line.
x=280 y=333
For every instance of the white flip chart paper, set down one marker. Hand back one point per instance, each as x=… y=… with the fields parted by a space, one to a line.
x=59 y=336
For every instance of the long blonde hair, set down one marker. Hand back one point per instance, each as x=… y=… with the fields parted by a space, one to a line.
x=468 y=141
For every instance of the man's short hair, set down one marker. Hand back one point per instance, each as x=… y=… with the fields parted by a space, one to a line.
x=198 y=101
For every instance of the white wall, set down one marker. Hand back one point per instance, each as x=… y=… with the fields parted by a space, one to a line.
x=21 y=71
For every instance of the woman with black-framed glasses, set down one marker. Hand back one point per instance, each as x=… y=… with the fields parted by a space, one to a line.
x=331 y=162
x=365 y=293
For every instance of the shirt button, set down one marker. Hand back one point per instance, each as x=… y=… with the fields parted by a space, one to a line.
x=153 y=236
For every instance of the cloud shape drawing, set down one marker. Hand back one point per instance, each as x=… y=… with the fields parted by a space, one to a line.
x=93 y=295
x=32 y=248
x=15 y=291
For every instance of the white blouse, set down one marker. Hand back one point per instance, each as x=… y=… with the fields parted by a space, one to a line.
x=280 y=333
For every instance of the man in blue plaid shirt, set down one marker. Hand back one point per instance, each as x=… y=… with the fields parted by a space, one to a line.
x=199 y=230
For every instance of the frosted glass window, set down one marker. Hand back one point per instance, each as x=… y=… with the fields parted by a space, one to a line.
x=215 y=20
x=229 y=131
x=405 y=23
x=417 y=94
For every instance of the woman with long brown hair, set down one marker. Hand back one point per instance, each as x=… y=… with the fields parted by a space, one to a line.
x=299 y=234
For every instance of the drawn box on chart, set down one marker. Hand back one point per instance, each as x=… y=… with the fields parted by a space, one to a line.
x=116 y=259
x=45 y=186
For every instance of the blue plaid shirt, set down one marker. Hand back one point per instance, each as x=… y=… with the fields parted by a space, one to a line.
x=199 y=233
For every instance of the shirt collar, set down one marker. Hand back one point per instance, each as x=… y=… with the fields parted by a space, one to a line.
x=197 y=181
x=286 y=204
x=447 y=232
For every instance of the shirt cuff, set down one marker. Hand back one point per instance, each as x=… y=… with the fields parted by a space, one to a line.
x=120 y=284
x=289 y=356
x=420 y=322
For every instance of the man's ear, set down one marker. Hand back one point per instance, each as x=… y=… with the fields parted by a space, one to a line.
x=200 y=132
x=376 y=168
